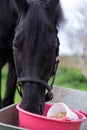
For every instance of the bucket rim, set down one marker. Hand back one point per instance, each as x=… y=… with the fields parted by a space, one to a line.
x=63 y=120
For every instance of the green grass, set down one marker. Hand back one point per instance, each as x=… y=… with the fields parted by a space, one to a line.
x=4 y=73
x=71 y=78
x=66 y=77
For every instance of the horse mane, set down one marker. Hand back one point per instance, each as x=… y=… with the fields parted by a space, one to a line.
x=59 y=16
x=36 y=22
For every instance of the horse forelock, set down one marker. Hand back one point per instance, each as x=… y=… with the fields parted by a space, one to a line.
x=35 y=23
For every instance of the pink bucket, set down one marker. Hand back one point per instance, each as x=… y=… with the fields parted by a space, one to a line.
x=36 y=122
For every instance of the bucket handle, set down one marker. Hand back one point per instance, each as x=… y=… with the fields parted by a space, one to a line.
x=83 y=112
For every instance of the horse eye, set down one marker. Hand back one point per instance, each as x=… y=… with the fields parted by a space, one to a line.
x=18 y=46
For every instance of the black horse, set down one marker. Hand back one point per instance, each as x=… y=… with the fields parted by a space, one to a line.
x=28 y=31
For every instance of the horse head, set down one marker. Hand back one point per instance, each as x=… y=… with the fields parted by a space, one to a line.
x=36 y=47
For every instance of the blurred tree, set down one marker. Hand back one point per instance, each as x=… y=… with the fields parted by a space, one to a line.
x=76 y=33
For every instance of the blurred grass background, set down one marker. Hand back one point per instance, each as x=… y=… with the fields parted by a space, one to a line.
x=69 y=75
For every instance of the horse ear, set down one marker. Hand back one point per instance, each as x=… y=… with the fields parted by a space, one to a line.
x=21 y=5
x=52 y=4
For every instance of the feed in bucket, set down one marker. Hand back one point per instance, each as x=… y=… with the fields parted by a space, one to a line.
x=59 y=115
x=61 y=110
